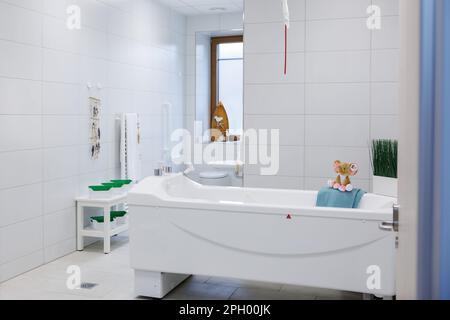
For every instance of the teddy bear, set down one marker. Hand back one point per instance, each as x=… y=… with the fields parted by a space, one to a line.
x=344 y=170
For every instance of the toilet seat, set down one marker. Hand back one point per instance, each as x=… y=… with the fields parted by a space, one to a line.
x=213 y=175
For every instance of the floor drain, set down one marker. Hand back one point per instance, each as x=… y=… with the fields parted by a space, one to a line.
x=88 y=286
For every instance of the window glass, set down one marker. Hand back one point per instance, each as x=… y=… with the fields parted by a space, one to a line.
x=231 y=50
x=230 y=71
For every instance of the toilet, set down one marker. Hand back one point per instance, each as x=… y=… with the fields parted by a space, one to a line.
x=215 y=178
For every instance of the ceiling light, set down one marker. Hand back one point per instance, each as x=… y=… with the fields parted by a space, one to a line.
x=218 y=9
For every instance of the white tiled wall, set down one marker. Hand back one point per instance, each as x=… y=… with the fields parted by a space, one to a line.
x=202 y=80
x=135 y=49
x=340 y=91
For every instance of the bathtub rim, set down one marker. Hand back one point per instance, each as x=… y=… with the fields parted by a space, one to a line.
x=156 y=196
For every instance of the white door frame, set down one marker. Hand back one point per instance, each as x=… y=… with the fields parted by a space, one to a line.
x=407 y=260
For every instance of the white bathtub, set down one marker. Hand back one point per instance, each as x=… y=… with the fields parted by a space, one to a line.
x=179 y=228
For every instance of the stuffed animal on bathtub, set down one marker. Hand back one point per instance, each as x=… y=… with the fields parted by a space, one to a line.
x=344 y=171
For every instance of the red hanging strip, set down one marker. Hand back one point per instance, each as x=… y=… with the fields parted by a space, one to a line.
x=285 y=47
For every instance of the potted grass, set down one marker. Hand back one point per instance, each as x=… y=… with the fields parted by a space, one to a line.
x=384 y=156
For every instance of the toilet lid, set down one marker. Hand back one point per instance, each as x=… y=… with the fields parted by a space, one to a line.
x=213 y=175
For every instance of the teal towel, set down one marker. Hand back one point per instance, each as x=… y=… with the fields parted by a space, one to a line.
x=331 y=198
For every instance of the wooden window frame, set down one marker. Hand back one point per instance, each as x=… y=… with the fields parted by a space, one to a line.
x=215 y=41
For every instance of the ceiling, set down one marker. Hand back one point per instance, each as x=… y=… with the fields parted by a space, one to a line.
x=197 y=7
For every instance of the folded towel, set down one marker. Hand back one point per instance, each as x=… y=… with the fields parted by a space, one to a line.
x=331 y=198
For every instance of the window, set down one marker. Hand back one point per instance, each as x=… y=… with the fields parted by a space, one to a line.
x=227 y=79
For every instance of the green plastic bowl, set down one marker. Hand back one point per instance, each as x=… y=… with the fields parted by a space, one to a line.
x=123 y=182
x=100 y=188
x=118 y=214
x=101 y=219
x=113 y=185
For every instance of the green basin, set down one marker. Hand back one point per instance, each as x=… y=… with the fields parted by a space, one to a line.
x=123 y=182
x=100 y=188
x=118 y=214
x=101 y=219
x=113 y=185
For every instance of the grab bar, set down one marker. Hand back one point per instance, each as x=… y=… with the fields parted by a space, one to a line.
x=386 y=226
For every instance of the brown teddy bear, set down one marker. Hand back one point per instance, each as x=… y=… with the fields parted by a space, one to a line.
x=344 y=171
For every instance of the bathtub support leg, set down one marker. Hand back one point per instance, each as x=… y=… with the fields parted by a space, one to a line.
x=156 y=284
x=368 y=296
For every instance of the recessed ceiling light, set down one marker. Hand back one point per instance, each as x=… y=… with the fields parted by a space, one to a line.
x=218 y=9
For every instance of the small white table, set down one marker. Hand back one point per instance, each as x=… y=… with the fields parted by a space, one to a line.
x=107 y=233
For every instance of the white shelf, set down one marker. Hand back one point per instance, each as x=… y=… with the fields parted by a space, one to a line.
x=87 y=201
x=93 y=233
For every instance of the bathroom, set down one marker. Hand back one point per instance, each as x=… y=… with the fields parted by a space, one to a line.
x=101 y=91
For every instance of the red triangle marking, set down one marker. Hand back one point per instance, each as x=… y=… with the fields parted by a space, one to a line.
x=289 y=217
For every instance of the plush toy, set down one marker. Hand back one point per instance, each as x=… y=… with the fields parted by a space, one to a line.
x=344 y=171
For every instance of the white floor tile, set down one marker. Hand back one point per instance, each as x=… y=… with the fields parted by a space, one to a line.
x=115 y=281
x=266 y=294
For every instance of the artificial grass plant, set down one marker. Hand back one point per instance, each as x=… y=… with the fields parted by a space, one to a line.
x=384 y=154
